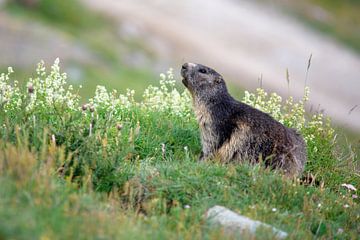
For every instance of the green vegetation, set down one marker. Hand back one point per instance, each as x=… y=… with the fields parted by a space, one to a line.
x=118 y=168
x=64 y=13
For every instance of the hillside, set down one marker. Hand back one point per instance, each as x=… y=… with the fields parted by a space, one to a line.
x=116 y=168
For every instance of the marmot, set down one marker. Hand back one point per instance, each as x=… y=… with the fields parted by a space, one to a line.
x=234 y=131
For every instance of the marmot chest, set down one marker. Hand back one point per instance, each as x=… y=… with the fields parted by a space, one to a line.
x=208 y=134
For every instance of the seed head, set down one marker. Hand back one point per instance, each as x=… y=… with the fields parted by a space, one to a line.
x=31 y=89
x=84 y=107
x=119 y=126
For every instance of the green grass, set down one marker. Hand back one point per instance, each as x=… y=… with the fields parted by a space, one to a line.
x=67 y=14
x=61 y=180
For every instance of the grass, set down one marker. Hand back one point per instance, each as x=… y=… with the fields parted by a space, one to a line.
x=128 y=169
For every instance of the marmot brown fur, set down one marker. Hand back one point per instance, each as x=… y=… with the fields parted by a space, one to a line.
x=234 y=131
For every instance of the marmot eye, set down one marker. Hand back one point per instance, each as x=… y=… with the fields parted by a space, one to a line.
x=202 y=70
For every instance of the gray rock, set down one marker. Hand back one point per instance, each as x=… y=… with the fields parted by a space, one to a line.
x=232 y=222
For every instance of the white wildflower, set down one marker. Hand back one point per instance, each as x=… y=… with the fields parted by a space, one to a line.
x=50 y=90
x=167 y=97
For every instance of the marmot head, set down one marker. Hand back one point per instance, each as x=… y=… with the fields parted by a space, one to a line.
x=202 y=81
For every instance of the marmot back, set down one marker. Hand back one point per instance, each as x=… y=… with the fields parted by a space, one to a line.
x=235 y=132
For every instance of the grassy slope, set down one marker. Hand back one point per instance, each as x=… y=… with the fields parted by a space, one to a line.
x=143 y=181
x=121 y=184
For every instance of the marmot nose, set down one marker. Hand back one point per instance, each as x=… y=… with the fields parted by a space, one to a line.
x=187 y=66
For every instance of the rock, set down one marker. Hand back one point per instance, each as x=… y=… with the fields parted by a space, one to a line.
x=233 y=222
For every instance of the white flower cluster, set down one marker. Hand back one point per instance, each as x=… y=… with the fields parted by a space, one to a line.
x=50 y=90
x=163 y=98
x=261 y=100
x=166 y=97
x=290 y=113
x=112 y=102
x=10 y=96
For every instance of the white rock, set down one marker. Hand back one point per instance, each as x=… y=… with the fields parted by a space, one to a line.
x=233 y=222
x=349 y=186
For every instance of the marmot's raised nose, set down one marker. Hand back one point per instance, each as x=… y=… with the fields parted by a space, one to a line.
x=187 y=66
